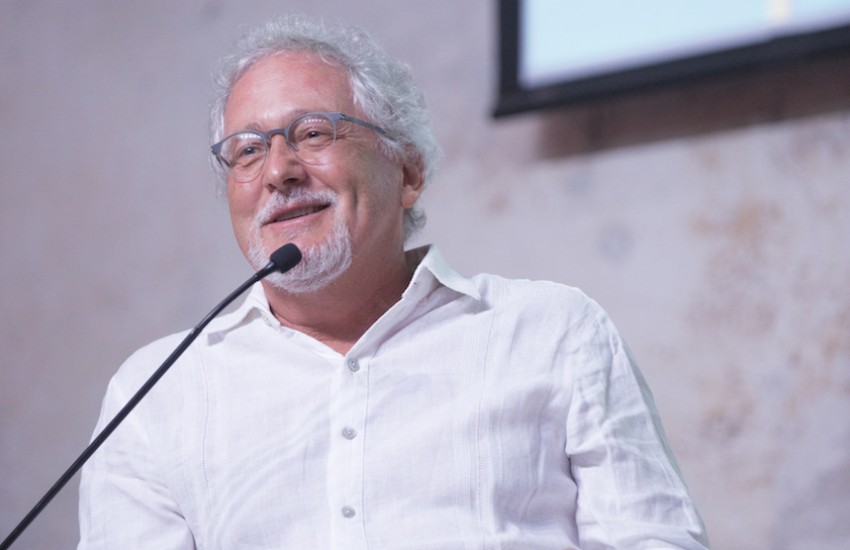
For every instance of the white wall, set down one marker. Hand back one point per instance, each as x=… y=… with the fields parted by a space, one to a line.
x=712 y=222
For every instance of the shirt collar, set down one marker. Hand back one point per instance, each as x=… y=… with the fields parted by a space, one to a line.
x=431 y=272
x=255 y=304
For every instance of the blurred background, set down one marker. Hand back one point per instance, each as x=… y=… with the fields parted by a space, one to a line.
x=711 y=219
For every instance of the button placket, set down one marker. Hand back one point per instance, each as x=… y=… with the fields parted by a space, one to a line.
x=345 y=460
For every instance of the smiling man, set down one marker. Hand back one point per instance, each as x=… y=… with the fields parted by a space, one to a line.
x=372 y=397
x=326 y=183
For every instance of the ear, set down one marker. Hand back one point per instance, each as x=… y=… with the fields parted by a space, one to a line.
x=413 y=173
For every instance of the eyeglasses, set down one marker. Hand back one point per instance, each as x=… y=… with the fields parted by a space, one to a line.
x=242 y=155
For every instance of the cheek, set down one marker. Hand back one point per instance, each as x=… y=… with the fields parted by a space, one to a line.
x=241 y=200
x=242 y=205
x=387 y=183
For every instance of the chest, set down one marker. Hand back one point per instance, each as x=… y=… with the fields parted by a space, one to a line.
x=455 y=423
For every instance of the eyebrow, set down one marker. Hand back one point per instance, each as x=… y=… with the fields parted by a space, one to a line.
x=255 y=127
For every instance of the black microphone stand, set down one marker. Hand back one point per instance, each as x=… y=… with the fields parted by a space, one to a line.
x=282 y=260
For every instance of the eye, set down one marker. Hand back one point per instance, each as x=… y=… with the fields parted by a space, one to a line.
x=245 y=148
x=313 y=131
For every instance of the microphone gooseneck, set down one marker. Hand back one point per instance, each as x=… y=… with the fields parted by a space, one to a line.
x=282 y=260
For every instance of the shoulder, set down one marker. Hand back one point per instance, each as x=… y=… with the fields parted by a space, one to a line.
x=146 y=359
x=143 y=362
x=538 y=298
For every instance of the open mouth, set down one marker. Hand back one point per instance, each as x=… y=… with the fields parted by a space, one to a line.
x=298 y=213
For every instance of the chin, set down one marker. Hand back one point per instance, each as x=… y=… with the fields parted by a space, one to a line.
x=321 y=263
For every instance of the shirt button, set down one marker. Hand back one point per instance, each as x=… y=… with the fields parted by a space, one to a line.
x=353 y=365
x=349 y=432
x=348 y=511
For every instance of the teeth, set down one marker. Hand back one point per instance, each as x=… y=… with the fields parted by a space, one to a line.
x=298 y=213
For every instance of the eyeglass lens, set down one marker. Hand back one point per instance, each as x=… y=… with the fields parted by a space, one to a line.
x=308 y=136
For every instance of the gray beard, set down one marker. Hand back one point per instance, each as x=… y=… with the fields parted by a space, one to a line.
x=320 y=265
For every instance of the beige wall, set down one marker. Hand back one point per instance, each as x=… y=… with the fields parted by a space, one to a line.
x=713 y=222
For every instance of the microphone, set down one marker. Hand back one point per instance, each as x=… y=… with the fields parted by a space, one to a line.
x=282 y=260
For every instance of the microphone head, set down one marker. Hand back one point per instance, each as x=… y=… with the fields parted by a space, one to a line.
x=285 y=258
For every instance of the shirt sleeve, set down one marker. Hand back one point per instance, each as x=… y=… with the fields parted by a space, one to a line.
x=123 y=503
x=630 y=491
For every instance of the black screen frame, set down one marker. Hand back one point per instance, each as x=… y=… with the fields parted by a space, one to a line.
x=514 y=98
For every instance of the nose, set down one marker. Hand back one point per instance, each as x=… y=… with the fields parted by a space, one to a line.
x=281 y=167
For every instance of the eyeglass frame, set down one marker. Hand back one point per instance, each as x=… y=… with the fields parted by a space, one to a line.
x=267 y=136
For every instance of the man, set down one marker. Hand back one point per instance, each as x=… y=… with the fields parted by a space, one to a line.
x=371 y=397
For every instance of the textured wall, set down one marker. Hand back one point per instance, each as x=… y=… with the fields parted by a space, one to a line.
x=713 y=222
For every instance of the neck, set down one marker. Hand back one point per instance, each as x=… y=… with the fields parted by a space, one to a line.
x=340 y=313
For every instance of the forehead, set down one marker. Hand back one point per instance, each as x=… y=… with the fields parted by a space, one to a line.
x=282 y=85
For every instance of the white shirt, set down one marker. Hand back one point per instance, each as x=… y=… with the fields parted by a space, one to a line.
x=477 y=413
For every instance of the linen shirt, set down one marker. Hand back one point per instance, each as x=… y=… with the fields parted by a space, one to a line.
x=476 y=413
